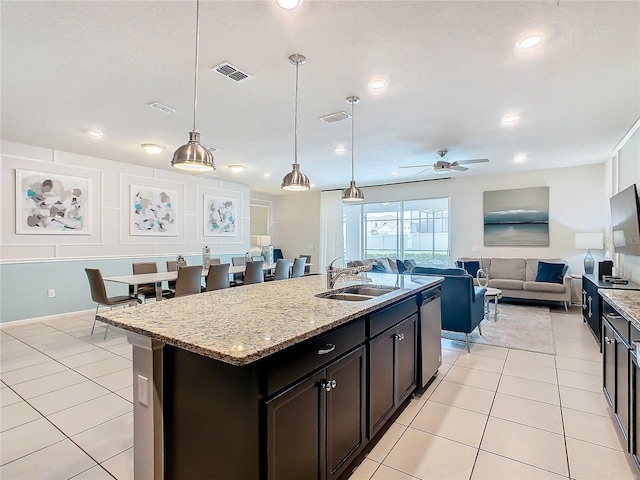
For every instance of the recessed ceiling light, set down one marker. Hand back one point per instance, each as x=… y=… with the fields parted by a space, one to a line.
x=377 y=83
x=529 y=41
x=152 y=148
x=521 y=157
x=510 y=119
x=95 y=133
x=394 y=173
x=340 y=149
x=267 y=174
x=237 y=168
x=289 y=4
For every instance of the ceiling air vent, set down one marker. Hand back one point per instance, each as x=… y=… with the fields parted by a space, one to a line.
x=231 y=72
x=335 y=117
x=162 y=107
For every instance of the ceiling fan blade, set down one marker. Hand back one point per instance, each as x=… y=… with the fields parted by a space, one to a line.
x=459 y=168
x=415 y=166
x=467 y=162
x=425 y=170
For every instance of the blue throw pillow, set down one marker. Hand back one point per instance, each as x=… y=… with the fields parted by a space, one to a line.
x=471 y=267
x=409 y=264
x=401 y=267
x=377 y=267
x=550 y=272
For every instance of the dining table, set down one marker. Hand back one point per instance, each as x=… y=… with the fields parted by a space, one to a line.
x=157 y=278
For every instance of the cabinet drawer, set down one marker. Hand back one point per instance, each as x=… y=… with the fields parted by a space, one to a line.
x=384 y=319
x=296 y=362
x=616 y=320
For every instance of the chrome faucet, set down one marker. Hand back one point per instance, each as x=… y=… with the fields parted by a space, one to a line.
x=333 y=273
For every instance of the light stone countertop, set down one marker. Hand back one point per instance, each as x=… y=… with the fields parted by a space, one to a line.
x=627 y=302
x=241 y=325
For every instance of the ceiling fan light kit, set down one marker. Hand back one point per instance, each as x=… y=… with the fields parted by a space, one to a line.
x=295 y=180
x=353 y=193
x=192 y=156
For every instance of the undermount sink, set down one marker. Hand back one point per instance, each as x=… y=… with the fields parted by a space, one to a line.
x=349 y=297
x=357 y=293
x=371 y=291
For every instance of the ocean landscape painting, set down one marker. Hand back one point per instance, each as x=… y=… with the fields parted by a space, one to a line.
x=516 y=217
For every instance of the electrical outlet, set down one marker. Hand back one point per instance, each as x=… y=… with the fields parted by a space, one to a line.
x=143 y=390
x=51 y=293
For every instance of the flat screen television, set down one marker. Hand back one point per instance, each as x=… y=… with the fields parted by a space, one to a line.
x=625 y=221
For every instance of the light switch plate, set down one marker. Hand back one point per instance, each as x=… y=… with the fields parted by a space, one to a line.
x=143 y=390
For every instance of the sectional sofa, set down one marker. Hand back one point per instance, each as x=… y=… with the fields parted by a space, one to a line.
x=516 y=278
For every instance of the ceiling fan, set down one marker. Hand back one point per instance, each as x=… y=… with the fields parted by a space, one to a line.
x=444 y=166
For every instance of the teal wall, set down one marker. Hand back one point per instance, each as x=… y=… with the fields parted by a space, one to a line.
x=23 y=286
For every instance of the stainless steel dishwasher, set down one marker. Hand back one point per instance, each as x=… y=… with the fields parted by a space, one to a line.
x=430 y=331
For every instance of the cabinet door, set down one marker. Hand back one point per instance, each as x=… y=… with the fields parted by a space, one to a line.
x=622 y=387
x=294 y=426
x=381 y=379
x=345 y=410
x=635 y=411
x=406 y=358
x=593 y=308
x=608 y=362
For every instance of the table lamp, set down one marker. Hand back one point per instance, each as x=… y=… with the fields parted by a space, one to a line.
x=588 y=241
x=264 y=241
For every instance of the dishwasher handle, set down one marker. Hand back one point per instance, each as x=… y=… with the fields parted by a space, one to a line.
x=431 y=295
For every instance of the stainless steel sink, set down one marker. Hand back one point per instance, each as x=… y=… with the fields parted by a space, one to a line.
x=349 y=297
x=372 y=291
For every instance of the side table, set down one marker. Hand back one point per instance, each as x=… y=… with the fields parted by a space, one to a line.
x=495 y=294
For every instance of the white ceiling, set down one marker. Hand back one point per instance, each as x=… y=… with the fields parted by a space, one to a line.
x=452 y=69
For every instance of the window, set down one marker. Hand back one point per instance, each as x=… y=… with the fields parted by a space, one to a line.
x=412 y=229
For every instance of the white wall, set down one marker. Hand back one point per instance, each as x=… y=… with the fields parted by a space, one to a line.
x=575 y=205
x=297 y=226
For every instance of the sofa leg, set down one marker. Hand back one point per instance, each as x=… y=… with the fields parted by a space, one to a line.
x=566 y=310
x=466 y=338
x=479 y=329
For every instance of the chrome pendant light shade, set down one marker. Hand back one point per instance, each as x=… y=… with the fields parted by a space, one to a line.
x=296 y=181
x=192 y=156
x=353 y=193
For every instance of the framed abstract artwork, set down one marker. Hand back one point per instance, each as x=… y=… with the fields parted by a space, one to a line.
x=220 y=216
x=517 y=217
x=49 y=204
x=153 y=211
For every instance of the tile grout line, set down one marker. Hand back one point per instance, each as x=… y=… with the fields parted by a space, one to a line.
x=564 y=431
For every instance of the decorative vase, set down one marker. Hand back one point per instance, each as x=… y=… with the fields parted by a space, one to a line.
x=589 y=263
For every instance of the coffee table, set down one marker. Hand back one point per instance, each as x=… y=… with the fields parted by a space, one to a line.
x=495 y=294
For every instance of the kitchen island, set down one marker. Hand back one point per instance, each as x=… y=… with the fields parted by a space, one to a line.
x=272 y=380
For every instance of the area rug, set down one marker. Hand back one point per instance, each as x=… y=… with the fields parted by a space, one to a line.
x=519 y=326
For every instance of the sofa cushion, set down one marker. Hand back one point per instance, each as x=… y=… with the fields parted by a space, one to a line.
x=532 y=267
x=409 y=264
x=550 y=272
x=392 y=265
x=471 y=266
x=400 y=266
x=506 y=284
x=508 y=268
x=544 y=287
x=384 y=263
x=485 y=263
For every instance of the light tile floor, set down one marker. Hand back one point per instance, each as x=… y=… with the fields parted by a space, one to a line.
x=497 y=413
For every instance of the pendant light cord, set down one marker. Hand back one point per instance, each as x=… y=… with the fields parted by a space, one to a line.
x=295 y=126
x=195 y=80
x=353 y=168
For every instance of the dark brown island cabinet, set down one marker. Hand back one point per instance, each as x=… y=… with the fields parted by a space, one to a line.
x=621 y=373
x=310 y=411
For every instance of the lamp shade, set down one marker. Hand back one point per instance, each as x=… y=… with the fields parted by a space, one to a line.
x=192 y=156
x=295 y=180
x=352 y=194
x=588 y=241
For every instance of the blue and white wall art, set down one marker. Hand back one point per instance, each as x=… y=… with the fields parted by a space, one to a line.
x=153 y=211
x=220 y=216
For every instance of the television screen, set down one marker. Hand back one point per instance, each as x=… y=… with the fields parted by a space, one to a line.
x=625 y=221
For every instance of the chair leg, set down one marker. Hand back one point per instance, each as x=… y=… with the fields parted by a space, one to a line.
x=466 y=338
x=95 y=317
x=479 y=329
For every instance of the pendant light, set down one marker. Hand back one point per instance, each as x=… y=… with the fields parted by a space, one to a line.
x=296 y=181
x=192 y=156
x=353 y=193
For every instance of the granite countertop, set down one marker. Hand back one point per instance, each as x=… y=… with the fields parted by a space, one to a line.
x=240 y=325
x=626 y=302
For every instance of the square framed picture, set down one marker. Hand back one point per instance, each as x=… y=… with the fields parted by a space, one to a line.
x=220 y=216
x=153 y=211
x=52 y=204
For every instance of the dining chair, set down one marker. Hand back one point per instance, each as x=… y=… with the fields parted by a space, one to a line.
x=147 y=290
x=254 y=272
x=99 y=295
x=172 y=266
x=238 y=277
x=307 y=266
x=218 y=277
x=282 y=269
x=188 y=282
x=298 y=267
x=214 y=261
x=277 y=254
